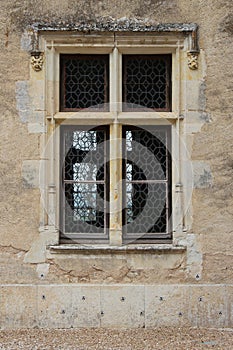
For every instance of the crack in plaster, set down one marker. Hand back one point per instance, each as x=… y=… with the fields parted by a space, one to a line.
x=114 y=277
x=15 y=250
x=178 y=265
x=66 y=273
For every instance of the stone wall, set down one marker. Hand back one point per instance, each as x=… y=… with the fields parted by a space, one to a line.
x=180 y=277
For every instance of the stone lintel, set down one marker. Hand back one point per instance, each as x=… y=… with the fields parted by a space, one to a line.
x=109 y=24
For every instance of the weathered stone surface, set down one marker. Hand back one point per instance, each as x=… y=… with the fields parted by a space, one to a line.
x=12 y=268
x=229 y=294
x=218 y=266
x=24 y=105
x=30 y=173
x=122 y=306
x=86 y=306
x=202 y=174
x=37 y=252
x=227 y=24
x=18 y=305
x=69 y=306
x=208 y=306
x=116 y=306
x=36 y=128
x=121 y=268
x=166 y=305
x=194 y=257
x=54 y=307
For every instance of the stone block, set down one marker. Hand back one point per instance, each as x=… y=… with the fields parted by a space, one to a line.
x=37 y=91
x=86 y=306
x=37 y=253
x=194 y=122
x=192 y=88
x=156 y=262
x=42 y=270
x=23 y=102
x=68 y=306
x=26 y=41
x=208 y=306
x=18 y=305
x=55 y=306
x=122 y=306
x=92 y=268
x=30 y=173
x=202 y=177
x=166 y=305
x=36 y=117
x=36 y=128
x=229 y=296
x=13 y=270
x=194 y=256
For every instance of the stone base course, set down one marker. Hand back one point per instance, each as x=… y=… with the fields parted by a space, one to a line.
x=114 y=306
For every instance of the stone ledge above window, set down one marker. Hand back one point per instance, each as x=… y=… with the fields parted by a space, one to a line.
x=105 y=249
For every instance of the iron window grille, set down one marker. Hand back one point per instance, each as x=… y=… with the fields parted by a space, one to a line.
x=147 y=183
x=146 y=82
x=84 y=82
x=84 y=188
x=146 y=188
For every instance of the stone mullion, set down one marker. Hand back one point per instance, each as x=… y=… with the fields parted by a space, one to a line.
x=115 y=229
x=115 y=236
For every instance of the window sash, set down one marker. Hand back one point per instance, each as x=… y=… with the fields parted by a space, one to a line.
x=131 y=83
x=140 y=189
x=84 y=196
x=78 y=86
x=138 y=184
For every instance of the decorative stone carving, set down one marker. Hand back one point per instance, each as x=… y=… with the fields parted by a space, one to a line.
x=193 y=60
x=37 y=59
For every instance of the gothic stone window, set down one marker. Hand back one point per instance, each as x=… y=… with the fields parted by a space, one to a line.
x=115 y=167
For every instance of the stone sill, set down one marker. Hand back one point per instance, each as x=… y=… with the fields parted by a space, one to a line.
x=106 y=249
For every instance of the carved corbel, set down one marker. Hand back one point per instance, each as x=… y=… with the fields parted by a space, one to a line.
x=37 y=60
x=192 y=59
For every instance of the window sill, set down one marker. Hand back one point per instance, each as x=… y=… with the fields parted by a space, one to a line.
x=105 y=249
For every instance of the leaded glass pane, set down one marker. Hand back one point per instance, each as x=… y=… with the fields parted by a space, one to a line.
x=84 y=208
x=84 y=82
x=84 y=173
x=146 y=174
x=146 y=82
x=148 y=153
x=145 y=208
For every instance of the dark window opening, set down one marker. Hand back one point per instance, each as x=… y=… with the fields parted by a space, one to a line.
x=84 y=82
x=147 y=182
x=84 y=190
x=147 y=82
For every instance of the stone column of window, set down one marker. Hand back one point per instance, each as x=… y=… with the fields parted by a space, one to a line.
x=115 y=229
x=178 y=234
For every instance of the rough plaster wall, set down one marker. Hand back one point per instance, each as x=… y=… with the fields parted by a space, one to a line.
x=212 y=206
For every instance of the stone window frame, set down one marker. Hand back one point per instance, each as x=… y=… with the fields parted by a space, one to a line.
x=52 y=43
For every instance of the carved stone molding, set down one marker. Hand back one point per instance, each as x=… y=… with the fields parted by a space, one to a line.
x=37 y=60
x=192 y=60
